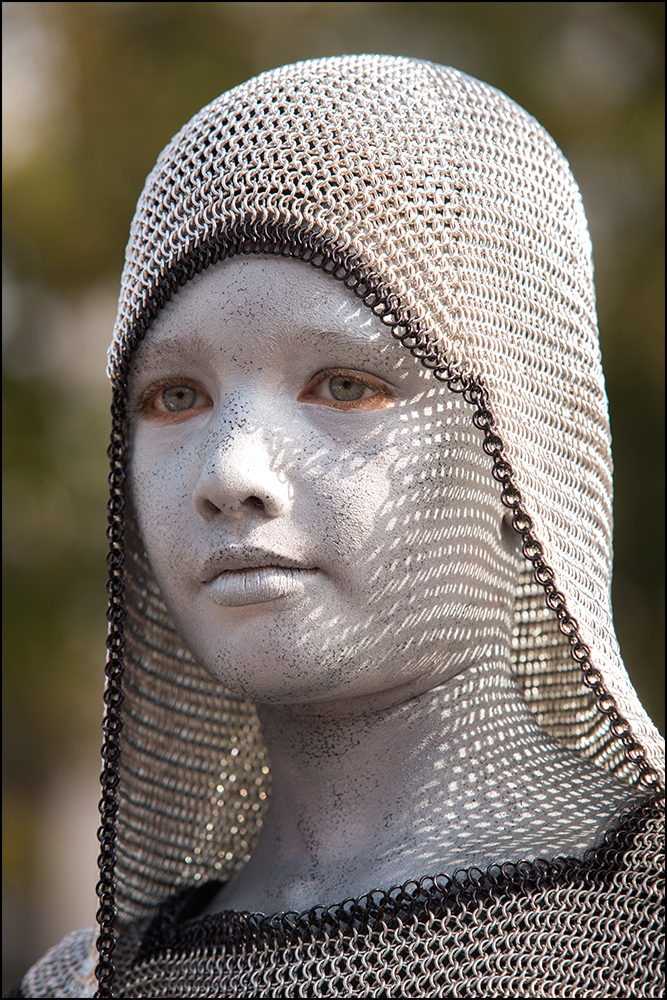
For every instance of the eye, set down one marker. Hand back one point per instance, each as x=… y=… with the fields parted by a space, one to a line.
x=348 y=390
x=174 y=400
x=344 y=388
x=178 y=398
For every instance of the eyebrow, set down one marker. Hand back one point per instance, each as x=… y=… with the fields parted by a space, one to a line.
x=170 y=350
x=338 y=339
x=177 y=350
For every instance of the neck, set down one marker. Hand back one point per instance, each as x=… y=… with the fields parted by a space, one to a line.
x=365 y=791
x=346 y=774
x=369 y=795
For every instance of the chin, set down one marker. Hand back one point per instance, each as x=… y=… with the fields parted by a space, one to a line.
x=271 y=657
x=279 y=674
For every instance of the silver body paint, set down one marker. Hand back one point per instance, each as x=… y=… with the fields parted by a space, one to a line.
x=351 y=573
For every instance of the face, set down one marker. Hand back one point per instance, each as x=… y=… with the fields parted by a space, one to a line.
x=316 y=507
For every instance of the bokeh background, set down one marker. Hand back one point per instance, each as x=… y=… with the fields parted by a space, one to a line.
x=91 y=93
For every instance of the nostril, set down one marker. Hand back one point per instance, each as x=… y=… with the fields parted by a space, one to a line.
x=254 y=502
x=208 y=509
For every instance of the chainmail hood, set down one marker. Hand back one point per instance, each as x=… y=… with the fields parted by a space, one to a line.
x=455 y=218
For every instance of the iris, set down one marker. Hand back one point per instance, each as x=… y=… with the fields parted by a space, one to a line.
x=345 y=389
x=179 y=398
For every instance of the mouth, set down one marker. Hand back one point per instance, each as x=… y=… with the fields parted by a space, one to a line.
x=242 y=577
x=242 y=558
x=257 y=585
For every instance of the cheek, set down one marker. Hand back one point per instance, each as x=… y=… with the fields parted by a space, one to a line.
x=160 y=488
x=440 y=573
x=348 y=497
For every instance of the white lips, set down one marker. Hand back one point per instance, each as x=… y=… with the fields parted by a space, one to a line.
x=257 y=585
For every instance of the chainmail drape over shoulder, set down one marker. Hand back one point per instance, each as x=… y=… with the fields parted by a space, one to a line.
x=454 y=216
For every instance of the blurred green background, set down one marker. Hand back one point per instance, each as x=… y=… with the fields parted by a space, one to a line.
x=91 y=93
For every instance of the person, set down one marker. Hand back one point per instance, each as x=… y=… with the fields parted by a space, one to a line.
x=367 y=729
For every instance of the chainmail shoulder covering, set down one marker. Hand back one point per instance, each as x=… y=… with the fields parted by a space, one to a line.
x=563 y=928
x=67 y=970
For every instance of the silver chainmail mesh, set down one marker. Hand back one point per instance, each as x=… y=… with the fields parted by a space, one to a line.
x=67 y=970
x=453 y=215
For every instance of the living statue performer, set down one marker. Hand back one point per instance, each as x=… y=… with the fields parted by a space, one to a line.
x=368 y=731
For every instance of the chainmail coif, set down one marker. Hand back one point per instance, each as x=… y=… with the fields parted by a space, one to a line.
x=453 y=216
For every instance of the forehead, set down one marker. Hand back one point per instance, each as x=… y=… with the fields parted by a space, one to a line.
x=267 y=303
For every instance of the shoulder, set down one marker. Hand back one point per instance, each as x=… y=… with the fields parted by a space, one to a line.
x=66 y=970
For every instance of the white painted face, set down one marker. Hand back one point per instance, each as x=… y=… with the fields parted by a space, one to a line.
x=317 y=509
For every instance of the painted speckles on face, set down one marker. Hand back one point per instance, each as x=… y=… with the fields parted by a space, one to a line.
x=318 y=511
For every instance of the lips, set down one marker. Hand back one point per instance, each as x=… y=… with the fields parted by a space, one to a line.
x=235 y=560
x=240 y=576
x=258 y=585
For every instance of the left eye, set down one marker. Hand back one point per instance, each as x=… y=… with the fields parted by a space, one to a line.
x=345 y=389
x=342 y=387
x=175 y=400
x=178 y=398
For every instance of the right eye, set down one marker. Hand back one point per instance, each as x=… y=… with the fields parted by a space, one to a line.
x=174 y=401
x=346 y=389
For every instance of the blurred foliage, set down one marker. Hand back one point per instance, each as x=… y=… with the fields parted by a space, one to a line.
x=120 y=80
x=54 y=495
x=140 y=71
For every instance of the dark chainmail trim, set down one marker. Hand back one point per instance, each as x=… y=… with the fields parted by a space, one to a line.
x=178 y=930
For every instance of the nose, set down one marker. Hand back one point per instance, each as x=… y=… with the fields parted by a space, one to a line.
x=239 y=476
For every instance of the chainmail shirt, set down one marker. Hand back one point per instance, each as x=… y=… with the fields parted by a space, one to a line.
x=560 y=928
